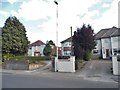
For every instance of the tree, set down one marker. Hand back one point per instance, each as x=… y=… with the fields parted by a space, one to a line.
x=47 y=50
x=14 y=38
x=51 y=43
x=83 y=42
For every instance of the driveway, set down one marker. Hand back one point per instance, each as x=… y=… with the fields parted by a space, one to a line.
x=98 y=70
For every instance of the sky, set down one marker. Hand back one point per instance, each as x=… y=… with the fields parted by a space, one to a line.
x=39 y=16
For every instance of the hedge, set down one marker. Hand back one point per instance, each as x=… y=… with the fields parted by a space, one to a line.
x=32 y=59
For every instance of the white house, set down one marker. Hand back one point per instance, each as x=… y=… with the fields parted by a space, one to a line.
x=66 y=47
x=107 y=41
x=36 y=48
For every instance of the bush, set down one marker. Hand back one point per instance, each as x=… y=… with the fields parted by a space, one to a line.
x=32 y=59
x=76 y=64
x=7 y=57
x=87 y=56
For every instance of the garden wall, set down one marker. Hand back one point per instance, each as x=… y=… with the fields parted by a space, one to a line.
x=19 y=65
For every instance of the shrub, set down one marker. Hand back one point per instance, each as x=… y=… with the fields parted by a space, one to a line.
x=87 y=56
x=76 y=64
x=7 y=57
x=32 y=59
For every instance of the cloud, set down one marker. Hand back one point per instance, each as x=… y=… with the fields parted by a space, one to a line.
x=71 y=13
x=4 y=13
x=12 y=1
x=109 y=18
x=35 y=9
x=106 y=5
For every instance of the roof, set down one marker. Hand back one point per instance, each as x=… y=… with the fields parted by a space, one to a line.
x=66 y=40
x=37 y=43
x=116 y=33
x=109 y=32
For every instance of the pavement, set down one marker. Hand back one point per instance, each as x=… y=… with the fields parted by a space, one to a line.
x=94 y=70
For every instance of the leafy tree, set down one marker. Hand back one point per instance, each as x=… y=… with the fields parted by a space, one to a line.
x=51 y=43
x=47 y=50
x=14 y=38
x=83 y=42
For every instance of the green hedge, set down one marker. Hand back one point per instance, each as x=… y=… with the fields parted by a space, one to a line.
x=29 y=58
x=32 y=59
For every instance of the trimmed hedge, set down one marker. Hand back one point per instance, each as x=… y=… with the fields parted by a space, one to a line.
x=32 y=59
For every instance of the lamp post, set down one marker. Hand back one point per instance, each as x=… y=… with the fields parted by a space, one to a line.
x=56 y=59
x=71 y=42
x=56 y=27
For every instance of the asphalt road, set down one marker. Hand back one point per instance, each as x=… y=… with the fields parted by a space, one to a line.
x=95 y=74
x=13 y=80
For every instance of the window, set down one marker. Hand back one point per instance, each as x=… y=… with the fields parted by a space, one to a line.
x=118 y=38
x=118 y=58
x=115 y=51
x=118 y=51
x=66 y=44
x=69 y=43
x=65 y=52
x=115 y=39
x=95 y=51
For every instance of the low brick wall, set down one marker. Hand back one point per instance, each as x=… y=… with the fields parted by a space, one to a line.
x=16 y=65
x=34 y=66
x=19 y=65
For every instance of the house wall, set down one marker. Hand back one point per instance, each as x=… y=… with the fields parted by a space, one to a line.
x=98 y=46
x=106 y=45
x=41 y=49
x=67 y=52
x=112 y=44
x=115 y=43
x=33 y=49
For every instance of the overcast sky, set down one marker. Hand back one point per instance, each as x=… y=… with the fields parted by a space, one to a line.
x=39 y=16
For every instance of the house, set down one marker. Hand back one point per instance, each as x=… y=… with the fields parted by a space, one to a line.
x=36 y=48
x=107 y=41
x=59 y=51
x=66 y=47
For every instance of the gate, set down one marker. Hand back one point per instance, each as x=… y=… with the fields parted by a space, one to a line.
x=65 y=65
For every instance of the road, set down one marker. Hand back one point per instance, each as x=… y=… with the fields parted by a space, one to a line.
x=95 y=74
x=11 y=80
